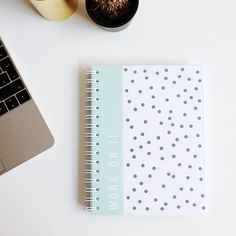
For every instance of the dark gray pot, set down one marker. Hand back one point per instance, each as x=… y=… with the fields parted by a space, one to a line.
x=118 y=24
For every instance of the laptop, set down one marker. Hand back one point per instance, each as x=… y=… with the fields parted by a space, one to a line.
x=23 y=131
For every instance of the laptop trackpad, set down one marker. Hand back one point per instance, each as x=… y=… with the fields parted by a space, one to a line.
x=2 y=168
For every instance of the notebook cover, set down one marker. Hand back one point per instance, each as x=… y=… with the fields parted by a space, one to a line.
x=147 y=140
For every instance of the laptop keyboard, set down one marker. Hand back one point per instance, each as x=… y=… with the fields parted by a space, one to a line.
x=13 y=92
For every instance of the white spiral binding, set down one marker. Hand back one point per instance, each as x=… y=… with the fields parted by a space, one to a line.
x=91 y=132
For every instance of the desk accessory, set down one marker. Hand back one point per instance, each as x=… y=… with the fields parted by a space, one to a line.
x=55 y=9
x=144 y=140
x=23 y=132
x=112 y=15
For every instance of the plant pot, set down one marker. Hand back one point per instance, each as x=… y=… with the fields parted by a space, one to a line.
x=55 y=9
x=108 y=21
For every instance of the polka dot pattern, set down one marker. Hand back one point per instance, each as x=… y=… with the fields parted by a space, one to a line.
x=163 y=140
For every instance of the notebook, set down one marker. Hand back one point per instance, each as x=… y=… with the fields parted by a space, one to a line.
x=145 y=140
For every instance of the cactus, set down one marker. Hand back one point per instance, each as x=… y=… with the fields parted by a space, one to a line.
x=111 y=8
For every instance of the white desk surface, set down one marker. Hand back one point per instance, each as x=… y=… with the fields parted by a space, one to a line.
x=40 y=197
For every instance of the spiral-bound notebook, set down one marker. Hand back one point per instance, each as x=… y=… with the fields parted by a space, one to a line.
x=145 y=140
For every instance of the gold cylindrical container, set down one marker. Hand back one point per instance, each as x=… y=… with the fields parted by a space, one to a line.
x=55 y=9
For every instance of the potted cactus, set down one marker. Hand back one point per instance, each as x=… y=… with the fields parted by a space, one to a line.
x=112 y=15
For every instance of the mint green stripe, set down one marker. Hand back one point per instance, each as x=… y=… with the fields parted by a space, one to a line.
x=110 y=174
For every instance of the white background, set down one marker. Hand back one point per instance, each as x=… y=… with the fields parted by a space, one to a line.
x=40 y=198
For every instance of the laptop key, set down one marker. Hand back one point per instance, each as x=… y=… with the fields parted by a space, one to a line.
x=3 y=108
x=4 y=79
x=7 y=66
x=3 y=53
x=11 y=103
x=11 y=89
x=23 y=96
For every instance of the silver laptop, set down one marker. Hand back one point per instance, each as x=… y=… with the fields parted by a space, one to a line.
x=23 y=131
